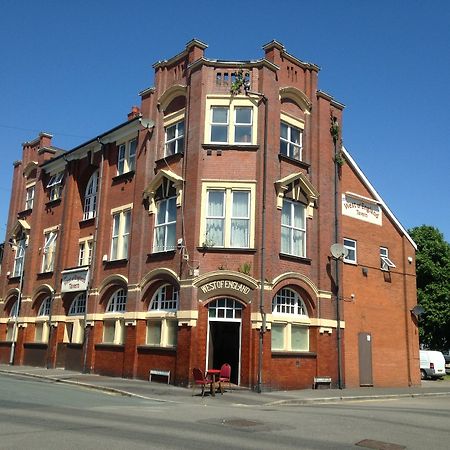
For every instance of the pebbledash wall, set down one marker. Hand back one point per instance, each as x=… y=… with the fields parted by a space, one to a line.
x=198 y=232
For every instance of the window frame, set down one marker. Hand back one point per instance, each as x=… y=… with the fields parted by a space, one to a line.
x=19 y=255
x=292 y=228
x=78 y=305
x=29 y=199
x=126 y=156
x=227 y=216
x=159 y=299
x=54 y=186
x=45 y=307
x=85 y=251
x=165 y=225
x=120 y=235
x=232 y=105
x=385 y=263
x=178 y=140
x=90 y=197
x=117 y=303
x=49 y=247
x=346 y=243
x=288 y=140
x=164 y=333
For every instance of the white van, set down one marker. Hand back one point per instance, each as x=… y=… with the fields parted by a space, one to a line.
x=432 y=364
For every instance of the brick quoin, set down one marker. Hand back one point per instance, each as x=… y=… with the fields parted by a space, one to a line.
x=379 y=336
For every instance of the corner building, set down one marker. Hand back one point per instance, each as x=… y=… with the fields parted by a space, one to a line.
x=198 y=232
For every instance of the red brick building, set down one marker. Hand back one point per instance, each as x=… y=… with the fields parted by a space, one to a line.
x=198 y=232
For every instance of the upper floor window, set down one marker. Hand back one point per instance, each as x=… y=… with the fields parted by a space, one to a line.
x=174 y=138
x=19 y=257
x=386 y=263
x=85 y=252
x=55 y=186
x=287 y=301
x=165 y=299
x=291 y=141
x=90 y=197
x=228 y=218
x=166 y=217
x=120 y=234
x=49 y=250
x=118 y=301
x=293 y=228
x=44 y=309
x=126 y=159
x=350 y=245
x=29 y=197
x=78 y=305
x=230 y=121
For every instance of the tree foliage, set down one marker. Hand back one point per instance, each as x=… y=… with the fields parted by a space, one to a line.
x=433 y=286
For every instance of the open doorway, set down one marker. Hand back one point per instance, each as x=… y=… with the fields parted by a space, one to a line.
x=224 y=335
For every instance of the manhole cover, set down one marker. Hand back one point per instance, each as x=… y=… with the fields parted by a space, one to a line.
x=379 y=445
x=241 y=423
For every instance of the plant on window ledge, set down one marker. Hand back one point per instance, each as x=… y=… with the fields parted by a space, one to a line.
x=245 y=268
x=207 y=243
x=238 y=83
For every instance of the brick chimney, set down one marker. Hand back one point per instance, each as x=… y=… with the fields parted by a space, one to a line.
x=135 y=111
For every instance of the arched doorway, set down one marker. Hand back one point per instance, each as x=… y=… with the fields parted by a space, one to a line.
x=224 y=335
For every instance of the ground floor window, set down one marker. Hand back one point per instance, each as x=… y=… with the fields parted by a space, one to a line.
x=41 y=332
x=114 y=331
x=162 y=332
x=74 y=331
x=290 y=337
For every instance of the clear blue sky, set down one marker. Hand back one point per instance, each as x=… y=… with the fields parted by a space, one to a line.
x=74 y=69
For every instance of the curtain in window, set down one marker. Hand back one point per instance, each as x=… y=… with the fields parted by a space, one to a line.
x=240 y=220
x=126 y=233
x=285 y=230
x=115 y=236
x=215 y=220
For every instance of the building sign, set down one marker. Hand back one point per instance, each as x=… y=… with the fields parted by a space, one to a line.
x=361 y=209
x=224 y=287
x=74 y=280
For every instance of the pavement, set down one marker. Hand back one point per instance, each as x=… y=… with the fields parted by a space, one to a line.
x=162 y=392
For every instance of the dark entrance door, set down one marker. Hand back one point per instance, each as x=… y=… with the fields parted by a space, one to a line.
x=224 y=343
x=365 y=359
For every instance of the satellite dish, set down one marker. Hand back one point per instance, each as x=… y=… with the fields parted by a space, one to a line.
x=418 y=310
x=338 y=251
x=147 y=123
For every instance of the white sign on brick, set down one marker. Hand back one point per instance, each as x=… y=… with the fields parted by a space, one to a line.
x=361 y=209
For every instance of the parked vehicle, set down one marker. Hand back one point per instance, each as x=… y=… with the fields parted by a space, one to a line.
x=432 y=364
x=447 y=361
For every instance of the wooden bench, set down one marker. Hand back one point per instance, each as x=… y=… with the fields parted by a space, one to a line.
x=322 y=383
x=161 y=373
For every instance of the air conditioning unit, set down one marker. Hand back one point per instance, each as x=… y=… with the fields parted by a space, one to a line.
x=105 y=258
x=8 y=274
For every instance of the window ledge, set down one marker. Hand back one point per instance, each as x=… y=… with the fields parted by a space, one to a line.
x=300 y=259
x=52 y=203
x=116 y=262
x=15 y=278
x=86 y=222
x=168 y=159
x=156 y=256
x=42 y=345
x=297 y=162
x=352 y=263
x=226 y=250
x=44 y=274
x=156 y=349
x=25 y=212
x=293 y=354
x=241 y=147
x=123 y=177
x=106 y=345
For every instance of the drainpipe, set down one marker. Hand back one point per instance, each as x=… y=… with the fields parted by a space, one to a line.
x=19 y=302
x=86 y=334
x=262 y=330
x=334 y=130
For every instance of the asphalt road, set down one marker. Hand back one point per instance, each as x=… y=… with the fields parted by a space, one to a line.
x=38 y=414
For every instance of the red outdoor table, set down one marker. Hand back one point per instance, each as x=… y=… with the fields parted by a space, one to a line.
x=213 y=373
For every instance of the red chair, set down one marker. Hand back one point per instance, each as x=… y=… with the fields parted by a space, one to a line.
x=200 y=380
x=224 y=377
